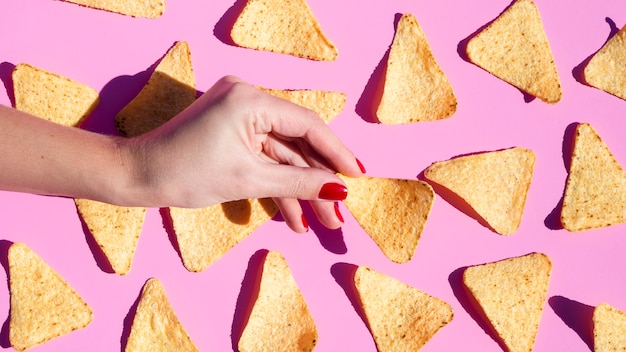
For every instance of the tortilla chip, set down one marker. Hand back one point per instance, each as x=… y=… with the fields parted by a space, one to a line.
x=155 y=325
x=134 y=8
x=609 y=329
x=515 y=48
x=495 y=184
x=326 y=104
x=280 y=319
x=392 y=212
x=170 y=89
x=400 y=317
x=43 y=305
x=115 y=229
x=204 y=235
x=511 y=293
x=284 y=27
x=415 y=89
x=595 y=193
x=605 y=70
x=51 y=96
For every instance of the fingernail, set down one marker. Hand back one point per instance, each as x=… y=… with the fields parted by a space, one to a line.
x=305 y=223
x=338 y=213
x=358 y=162
x=333 y=191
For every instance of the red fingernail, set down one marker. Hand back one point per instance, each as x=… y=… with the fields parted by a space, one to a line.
x=338 y=213
x=358 y=162
x=305 y=223
x=333 y=191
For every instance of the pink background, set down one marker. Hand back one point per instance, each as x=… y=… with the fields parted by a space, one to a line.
x=113 y=54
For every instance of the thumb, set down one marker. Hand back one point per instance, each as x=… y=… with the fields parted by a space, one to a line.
x=306 y=183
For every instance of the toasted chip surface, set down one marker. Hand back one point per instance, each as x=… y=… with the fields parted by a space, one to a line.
x=155 y=325
x=495 y=184
x=204 y=235
x=400 y=317
x=595 y=192
x=134 y=8
x=43 y=305
x=52 y=97
x=285 y=27
x=115 y=229
x=280 y=319
x=170 y=89
x=605 y=70
x=609 y=329
x=515 y=48
x=511 y=293
x=415 y=88
x=326 y=104
x=393 y=212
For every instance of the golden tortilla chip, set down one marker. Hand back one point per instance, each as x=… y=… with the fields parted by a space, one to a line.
x=52 y=97
x=415 y=89
x=609 y=329
x=285 y=27
x=392 y=212
x=326 y=104
x=400 y=317
x=43 y=305
x=204 y=235
x=170 y=89
x=495 y=184
x=115 y=229
x=280 y=319
x=515 y=48
x=511 y=293
x=134 y=8
x=595 y=193
x=155 y=325
x=605 y=70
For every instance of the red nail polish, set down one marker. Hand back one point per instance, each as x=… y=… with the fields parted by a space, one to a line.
x=333 y=191
x=305 y=223
x=338 y=213
x=358 y=162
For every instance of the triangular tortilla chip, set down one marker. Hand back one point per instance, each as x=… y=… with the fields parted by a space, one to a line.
x=400 y=317
x=155 y=325
x=170 y=89
x=116 y=230
x=595 y=193
x=495 y=184
x=43 y=305
x=280 y=319
x=609 y=329
x=415 y=89
x=605 y=70
x=134 y=8
x=52 y=97
x=204 y=235
x=326 y=104
x=285 y=27
x=515 y=48
x=393 y=212
x=511 y=293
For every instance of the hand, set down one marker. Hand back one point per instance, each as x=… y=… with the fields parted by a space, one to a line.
x=236 y=142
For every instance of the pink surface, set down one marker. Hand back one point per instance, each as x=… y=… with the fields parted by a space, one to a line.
x=112 y=54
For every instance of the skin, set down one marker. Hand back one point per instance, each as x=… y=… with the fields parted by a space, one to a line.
x=235 y=142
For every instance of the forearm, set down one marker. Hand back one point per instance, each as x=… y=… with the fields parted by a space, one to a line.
x=38 y=156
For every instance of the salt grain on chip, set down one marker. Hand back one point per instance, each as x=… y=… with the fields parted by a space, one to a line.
x=595 y=192
x=399 y=317
x=43 y=305
x=515 y=48
x=605 y=70
x=286 y=27
x=415 y=87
